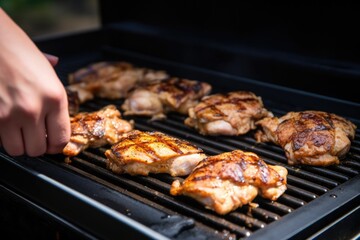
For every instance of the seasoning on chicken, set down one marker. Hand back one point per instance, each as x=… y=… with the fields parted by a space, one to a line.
x=309 y=137
x=95 y=129
x=174 y=94
x=233 y=113
x=111 y=80
x=141 y=153
x=230 y=180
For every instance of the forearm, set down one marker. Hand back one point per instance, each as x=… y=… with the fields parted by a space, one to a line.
x=13 y=38
x=17 y=49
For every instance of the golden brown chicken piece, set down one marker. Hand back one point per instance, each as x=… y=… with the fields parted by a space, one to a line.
x=230 y=180
x=142 y=102
x=99 y=70
x=233 y=113
x=174 y=94
x=141 y=153
x=309 y=137
x=111 y=80
x=95 y=129
x=84 y=94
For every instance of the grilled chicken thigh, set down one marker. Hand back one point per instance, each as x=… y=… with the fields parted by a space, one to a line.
x=111 y=80
x=98 y=71
x=141 y=153
x=233 y=113
x=174 y=94
x=84 y=94
x=229 y=180
x=309 y=137
x=95 y=129
x=142 y=102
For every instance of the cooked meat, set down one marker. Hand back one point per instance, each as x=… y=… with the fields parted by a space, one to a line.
x=81 y=89
x=95 y=129
x=144 y=103
x=309 y=137
x=175 y=94
x=233 y=113
x=73 y=102
x=119 y=87
x=97 y=71
x=141 y=153
x=150 y=76
x=111 y=80
x=230 y=180
x=178 y=94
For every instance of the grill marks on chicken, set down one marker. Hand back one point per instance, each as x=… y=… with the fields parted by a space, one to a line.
x=148 y=92
x=173 y=94
x=229 y=180
x=111 y=80
x=233 y=113
x=141 y=153
x=95 y=129
x=309 y=137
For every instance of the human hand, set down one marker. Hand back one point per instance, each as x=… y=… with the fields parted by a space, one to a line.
x=53 y=60
x=34 y=115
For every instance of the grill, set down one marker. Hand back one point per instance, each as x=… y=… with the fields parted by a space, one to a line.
x=85 y=200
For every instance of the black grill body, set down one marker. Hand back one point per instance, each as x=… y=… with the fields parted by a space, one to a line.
x=47 y=198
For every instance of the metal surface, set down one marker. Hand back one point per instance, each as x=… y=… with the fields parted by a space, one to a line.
x=313 y=196
x=105 y=205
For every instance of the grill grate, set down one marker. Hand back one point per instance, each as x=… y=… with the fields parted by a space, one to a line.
x=305 y=183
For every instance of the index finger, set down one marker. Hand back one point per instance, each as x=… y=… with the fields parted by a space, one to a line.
x=58 y=130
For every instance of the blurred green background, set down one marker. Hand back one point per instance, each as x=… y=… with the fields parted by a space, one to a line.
x=47 y=17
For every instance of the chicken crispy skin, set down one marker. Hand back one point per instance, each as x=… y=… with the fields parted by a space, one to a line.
x=232 y=113
x=174 y=94
x=95 y=129
x=141 y=153
x=309 y=137
x=111 y=80
x=230 y=180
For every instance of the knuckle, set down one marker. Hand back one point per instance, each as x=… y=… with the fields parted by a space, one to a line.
x=56 y=96
x=31 y=109
x=4 y=114
x=31 y=112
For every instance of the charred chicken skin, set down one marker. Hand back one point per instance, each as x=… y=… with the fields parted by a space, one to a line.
x=230 y=180
x=111 y=80
x=95 y=129
x=233 y=113
x=309 y=137
x=141 y=153
x=173 y=94
x=73 y=102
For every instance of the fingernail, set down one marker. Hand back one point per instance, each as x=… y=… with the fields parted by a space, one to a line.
x=52 y=59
